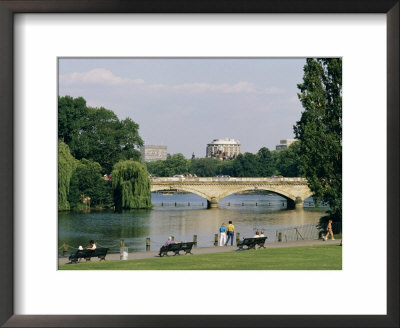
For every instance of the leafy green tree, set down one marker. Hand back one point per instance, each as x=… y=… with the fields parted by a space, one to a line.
x=131 y=185
x=66 y=166
x=204 y=167
x=87 y=181
x=288 y=161
x=266 y=165
x=72 y=115
x=320 y=131
x=106 y=140
x=174 y=164
x=96 y=133
x=226 y=168
x=155 y=168
x=246 y=165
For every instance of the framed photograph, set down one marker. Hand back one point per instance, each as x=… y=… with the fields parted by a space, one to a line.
x=35 y=35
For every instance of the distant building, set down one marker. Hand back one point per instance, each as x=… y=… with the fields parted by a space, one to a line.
x=223 y=148
x=285 y=144
x=152 y=153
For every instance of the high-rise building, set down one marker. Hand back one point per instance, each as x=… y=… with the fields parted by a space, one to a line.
x=285 y=144
x=223 y=148
x=151 y=153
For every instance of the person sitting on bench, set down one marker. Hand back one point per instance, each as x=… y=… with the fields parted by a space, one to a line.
x=92 y=245
x=257 y=235
x=170 y=241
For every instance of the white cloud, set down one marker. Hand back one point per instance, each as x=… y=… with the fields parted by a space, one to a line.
x=101 y=76
x=97 y=76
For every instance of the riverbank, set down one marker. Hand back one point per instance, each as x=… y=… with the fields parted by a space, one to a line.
x=322 y=256
x=209 y=250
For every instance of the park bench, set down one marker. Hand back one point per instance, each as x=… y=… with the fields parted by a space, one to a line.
x=251 y=243
x=87 y=254
x=176 y=248
x=260 y=242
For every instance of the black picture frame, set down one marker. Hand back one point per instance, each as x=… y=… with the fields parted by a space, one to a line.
x=7 y=198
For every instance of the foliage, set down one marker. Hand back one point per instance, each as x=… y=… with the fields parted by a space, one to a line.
x=287 y=161
x=204 y=167
x=97 y=138
x=320 y=131
x=173 y=165
x=66 y=166
x=87 y=181
x=96 y=133
x=226 y=168
x=266 y=162
x=245 y=165
x=72 y=114
x=176 y=164
x=131 y=185
x=155 y=168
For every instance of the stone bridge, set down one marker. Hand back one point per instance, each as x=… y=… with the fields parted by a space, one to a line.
x=295 y=190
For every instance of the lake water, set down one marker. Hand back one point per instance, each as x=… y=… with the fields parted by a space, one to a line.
x=182 y=216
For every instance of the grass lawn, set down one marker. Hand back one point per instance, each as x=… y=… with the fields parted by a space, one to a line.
x=318 y=257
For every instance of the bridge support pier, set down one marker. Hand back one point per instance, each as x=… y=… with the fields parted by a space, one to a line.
x=292 y=204
x=213 y=203
x=299 y=202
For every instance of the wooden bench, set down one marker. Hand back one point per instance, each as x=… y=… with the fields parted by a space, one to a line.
x=260 y=242
x=87 y=254
x=251 y=243
x=176 y=248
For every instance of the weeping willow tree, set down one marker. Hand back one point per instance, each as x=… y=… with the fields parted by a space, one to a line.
x=66 y=166
x=131 y=185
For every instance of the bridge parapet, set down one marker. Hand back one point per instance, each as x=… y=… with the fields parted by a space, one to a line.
x=215 y=179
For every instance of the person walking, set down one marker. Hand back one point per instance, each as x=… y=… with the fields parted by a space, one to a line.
x=330 y=232
x=222 y=234
x=231 y=232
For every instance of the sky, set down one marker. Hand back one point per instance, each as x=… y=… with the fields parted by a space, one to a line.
x=185 y=103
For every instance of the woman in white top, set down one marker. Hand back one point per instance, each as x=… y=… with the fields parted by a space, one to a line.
x=92 y=245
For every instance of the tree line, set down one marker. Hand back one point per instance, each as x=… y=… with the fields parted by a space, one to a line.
x=264 y=163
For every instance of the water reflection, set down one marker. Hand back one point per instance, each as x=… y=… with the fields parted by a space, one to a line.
x=182 y=220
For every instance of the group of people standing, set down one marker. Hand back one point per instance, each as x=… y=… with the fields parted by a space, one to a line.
x=226 y=234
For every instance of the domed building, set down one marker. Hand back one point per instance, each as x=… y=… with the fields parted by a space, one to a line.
x=223 y=149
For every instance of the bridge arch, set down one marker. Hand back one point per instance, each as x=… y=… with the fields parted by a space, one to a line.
x=250 y=188
x=182 y=188
x=292 y=200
